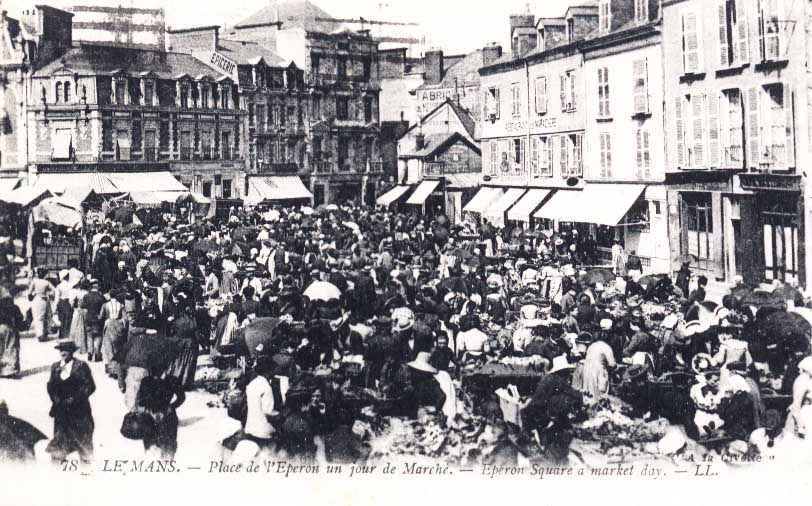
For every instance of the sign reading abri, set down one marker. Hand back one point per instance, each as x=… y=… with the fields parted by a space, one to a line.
x=219 y=62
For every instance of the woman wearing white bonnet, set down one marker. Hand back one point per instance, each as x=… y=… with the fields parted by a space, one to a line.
x=799 y=420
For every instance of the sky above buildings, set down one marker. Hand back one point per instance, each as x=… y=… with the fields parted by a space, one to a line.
x=456 y=26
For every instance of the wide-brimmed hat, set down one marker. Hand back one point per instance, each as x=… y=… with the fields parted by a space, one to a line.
x=66 y=345
x=606 y=324
x=635 y=372
x=421 y=363
x=805 y=365
x=584 y=338
x=560 y=363
x=670 y=321
x=634 y=301
x=701 y=363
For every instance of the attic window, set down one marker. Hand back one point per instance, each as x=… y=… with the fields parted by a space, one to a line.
x=641 y=11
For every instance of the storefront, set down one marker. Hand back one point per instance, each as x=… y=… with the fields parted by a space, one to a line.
x=270 y=189
x=766 y=221
x=486 y=196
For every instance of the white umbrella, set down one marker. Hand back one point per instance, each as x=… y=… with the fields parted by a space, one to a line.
x=352 y=226
x=272 y=215
x=322 y=290
x=307 y=210
x=331 y=207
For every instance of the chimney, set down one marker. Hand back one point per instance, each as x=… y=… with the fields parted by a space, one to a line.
x=491 y=53
x=434 y=66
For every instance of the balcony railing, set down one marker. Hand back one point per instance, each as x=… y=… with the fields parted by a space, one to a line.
x=734 y=156
x=227 y=153
x=150 y=154
x=278 y=167
x=186 y=153
x=773 y=157
x=321 y=167
x=374 y=167
x=208 y=153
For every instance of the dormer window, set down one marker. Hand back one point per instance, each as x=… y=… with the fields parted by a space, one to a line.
x=641 y=11
x=148 y=91
x=605 y=16
x=120 y=91
x=58 y=92
x=184 y=95
x=204 y=96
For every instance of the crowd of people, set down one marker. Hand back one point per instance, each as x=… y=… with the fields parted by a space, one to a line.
x=401 y=307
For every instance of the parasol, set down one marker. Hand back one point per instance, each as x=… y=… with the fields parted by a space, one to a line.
x=352 y=226
x=331 y=207
x=787 y=292
x=322 y=290
x=703 y=312
x=454 y=284
x=594 y=276
x=685 y=258
x=151 y=352
x=307 y=211
x=272 y=215
x=650 y=279
x=17 y=439
x=59 y=212
x=261 y=331
x=786 y=331
x=760 y=298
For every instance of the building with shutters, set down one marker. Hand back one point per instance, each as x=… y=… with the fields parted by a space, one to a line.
x=533 y=118
x=738 y=136
x=129 y=117
x=625 y=148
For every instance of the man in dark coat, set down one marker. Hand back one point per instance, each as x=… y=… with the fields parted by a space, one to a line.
x=70 y=386
x=104 y=265
x=93 y=302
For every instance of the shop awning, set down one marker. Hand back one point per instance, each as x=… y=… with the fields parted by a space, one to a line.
x=422 y=192
x=390 y=197
x=463 y=180
x=527 y=204
x=484 y=198
x=8 y=183
x=61 y=146
x=106 y=183
x=146 y=182
x=496 y=212
x=561 y=203
x=155 y=198
x=276 y=188
x=604 y=204
x=26 y=196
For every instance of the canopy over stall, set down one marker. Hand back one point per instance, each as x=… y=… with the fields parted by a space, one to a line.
x=276 y=188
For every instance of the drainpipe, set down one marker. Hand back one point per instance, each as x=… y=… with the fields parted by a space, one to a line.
x=527 y=146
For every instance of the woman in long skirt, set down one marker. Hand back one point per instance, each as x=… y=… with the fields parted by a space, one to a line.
x=10 y=323
x=64 y=309
x=78 y=334
x=40 y=293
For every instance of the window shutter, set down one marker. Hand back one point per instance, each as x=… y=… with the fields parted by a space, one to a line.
x=640 y=86
x=753 y=132
x=563 y=162
x=563 y=92
x=601 y=112
x=573 y=104
x=541 y=95
x=646 y=155
x=578 y=155
x=522 y=157
x=724 y=61
x=742 y=34
x=639 y=154
x=714 y=144
x=680 y=128
x=790 y=127
x=690 y=41
x=698 y=130
x=609 y=155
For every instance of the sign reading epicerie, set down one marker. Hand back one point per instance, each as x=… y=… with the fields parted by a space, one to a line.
x=220 y=63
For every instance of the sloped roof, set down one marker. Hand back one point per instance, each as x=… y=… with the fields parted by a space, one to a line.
x=293 y=14
x=244 y=52
x=437 y=142
x=465 y=118
x=100 y=59
x=466 y=71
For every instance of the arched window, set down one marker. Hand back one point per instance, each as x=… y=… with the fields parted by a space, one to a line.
x=67 y=93
x=58 y=91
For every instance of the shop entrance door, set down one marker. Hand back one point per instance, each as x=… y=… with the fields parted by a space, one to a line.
x=780 y=229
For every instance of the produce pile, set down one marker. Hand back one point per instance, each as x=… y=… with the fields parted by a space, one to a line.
x=612 y=431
